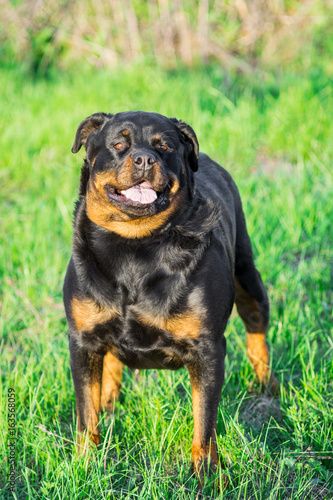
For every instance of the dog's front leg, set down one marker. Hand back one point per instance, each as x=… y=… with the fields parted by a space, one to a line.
x=206 y=375
x=87 y=368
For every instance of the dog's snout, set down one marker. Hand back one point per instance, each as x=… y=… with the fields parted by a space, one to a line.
x=144 y=159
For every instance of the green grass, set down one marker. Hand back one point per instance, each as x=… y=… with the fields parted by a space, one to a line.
x=278 y=147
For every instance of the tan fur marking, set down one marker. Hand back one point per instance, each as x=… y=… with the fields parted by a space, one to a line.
x=119 y=180
x=139 y=228
x=200 y=450
x=87 y=314
x=200 y=453
x=101 y=211
x=122 y=178
x=188 y=324
x=256 y=322
x=249 y=309
x=258 y=353
x=197 y=431
x=111 y=381
x=92 y=429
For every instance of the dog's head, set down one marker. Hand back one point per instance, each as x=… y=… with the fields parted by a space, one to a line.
x=139 y=169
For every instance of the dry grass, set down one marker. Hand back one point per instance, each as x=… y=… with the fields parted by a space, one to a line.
x=241 y=34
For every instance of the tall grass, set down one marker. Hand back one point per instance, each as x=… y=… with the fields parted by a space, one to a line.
x=240 y=35
x=276 y=142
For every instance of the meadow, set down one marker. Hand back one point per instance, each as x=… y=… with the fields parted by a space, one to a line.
x=274 y=136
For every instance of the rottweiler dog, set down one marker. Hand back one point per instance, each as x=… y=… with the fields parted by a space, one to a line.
x=160 y=255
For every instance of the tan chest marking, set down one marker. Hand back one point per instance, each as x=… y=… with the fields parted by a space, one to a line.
x=188 y=324
x=87 y=314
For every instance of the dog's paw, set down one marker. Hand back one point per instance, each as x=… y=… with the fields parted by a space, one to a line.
x=210 y=476
x=273 y=387
x=270 y=388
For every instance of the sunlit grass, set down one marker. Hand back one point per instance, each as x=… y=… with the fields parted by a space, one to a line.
x=278 y=149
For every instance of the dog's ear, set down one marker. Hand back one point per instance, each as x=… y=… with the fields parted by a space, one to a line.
x=191 y=141
x=85 y=128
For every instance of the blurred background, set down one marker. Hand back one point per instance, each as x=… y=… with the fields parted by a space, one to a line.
x=241 y=35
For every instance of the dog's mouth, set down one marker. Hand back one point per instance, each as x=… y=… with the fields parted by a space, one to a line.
x=141 y=194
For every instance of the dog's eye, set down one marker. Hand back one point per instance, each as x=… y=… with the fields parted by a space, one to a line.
x=164 y=148
x=119 y=145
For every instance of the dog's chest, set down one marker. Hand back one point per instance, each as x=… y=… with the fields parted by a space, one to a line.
x=139 y=338
x=148 y=307
x=150 y=324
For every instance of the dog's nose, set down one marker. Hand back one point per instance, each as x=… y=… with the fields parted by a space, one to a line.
x=144 y=159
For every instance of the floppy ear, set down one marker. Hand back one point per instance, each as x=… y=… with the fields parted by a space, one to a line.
x=191 y=141
x=85 y=128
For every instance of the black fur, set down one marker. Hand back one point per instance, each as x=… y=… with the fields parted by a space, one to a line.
x=187 y=263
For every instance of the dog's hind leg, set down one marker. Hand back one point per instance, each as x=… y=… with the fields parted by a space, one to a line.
x=253 y=307
x=111 y=381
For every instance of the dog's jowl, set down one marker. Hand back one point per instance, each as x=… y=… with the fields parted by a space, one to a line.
x=160 y=255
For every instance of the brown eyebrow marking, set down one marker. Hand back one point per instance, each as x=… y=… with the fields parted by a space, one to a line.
x=125 y=132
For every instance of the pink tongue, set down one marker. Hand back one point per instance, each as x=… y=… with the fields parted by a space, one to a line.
x=143 y=193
